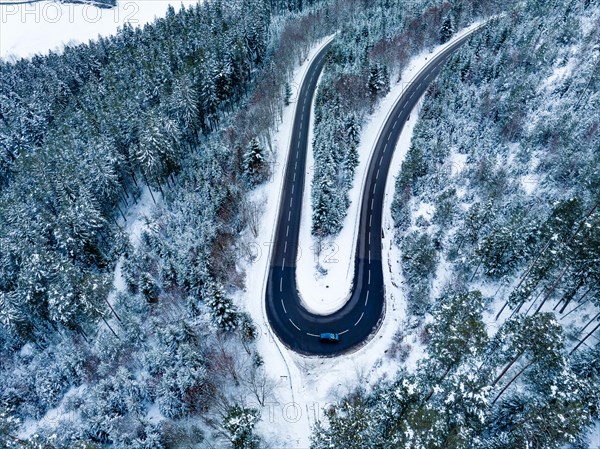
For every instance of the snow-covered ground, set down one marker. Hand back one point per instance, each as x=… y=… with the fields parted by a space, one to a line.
x=54 y=416
x=594 y=436
x=305 y=385
x=46 y=26
x=138 y=216
x=326 y=293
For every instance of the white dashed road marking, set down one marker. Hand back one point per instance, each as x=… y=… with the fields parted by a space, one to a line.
x=361 y=316
x=293 y=324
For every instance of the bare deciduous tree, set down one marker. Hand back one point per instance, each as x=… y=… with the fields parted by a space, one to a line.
x=252 y=211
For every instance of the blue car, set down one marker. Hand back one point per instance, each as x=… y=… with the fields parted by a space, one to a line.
x=329 y=337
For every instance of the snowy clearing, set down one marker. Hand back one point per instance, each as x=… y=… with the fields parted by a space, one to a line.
x=39 y=28
x=138 y=216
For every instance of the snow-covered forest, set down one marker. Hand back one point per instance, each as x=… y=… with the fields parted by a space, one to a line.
x=162 y=112
x=371 y=50
x=122 y=332
x=497 y=220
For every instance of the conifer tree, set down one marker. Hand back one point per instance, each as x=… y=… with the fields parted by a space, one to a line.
x=255 y=165
x=239 y=422
x=446 y=31
x=222 y=310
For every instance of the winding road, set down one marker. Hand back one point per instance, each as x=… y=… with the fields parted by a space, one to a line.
x=361 y=316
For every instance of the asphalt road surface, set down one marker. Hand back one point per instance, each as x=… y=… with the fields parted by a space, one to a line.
x=360 y=317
